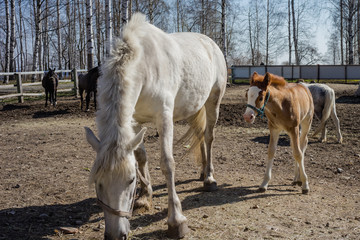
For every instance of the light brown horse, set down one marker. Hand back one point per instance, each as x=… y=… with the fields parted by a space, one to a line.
x=287 y=106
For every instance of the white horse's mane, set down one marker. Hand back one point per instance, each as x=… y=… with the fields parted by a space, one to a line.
x=115 y=91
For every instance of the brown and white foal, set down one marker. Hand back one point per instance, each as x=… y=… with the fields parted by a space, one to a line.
x=287 y=106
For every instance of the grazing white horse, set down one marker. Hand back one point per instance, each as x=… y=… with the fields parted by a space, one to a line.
x=324 y=107
x=152 y=76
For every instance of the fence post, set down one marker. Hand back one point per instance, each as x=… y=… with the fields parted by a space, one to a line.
x=74 y=77
x=19 y=87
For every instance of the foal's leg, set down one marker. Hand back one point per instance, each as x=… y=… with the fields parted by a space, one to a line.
x=299 y=157
x=274 y=138
x=337 y=124
x=177 y=226
x=145 y=198
x=305 y=129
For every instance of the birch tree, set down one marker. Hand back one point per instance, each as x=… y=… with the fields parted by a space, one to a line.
x=7 y=43
x=108 y=25
x=89 y=34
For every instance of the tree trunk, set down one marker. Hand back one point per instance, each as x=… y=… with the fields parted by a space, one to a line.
x=37 y=10
x=89 y=34
x=289 y=31
x=350 y=31
x=341 y=32
x=251 y=44
x=58 y=30
x=21 y=55
x=151 y=11
x=295 y=33
x=108 y=27
x=124 y=12
x=7 y=50
x=267 y=32
x=223 y=28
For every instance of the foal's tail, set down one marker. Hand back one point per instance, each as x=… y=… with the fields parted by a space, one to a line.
x=195 y=134
x=328 y=107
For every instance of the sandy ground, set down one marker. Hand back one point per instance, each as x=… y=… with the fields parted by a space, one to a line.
x=45 y=162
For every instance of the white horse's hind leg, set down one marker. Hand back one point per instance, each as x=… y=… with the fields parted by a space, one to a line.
x=212 y=113
x=274 y=137
x=177 y=226
x=144 y=201
x=337 y=124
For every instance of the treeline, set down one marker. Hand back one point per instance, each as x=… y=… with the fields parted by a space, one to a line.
x=66 y=34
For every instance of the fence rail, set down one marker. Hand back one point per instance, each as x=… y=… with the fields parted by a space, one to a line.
x=19 y=85
x=315 y=72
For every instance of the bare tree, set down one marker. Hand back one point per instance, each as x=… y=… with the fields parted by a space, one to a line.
x=108 y=27
x=58 y=26
x=89 y=34
x=295 y=33
x=7 y=46
x=223 y=28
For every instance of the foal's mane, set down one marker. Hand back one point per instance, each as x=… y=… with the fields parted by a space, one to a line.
x=115 y=98
x=262 y=81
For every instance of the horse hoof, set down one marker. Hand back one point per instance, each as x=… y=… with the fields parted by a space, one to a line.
x=305 y=191
x=202 y=177
x=142 y=205
x=176 y=232
x=261 y=189
x=298 y=183
x=87 y=110
x=210 y=187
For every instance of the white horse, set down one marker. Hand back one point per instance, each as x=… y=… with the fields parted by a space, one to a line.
x=152 y=76
x=324 y=106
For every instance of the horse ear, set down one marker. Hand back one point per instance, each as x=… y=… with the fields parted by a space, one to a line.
x=92 y=139
x=137 y=140
x=267 y=80
x=254 y=75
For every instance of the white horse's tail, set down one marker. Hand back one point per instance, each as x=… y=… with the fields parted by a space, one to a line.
x=195 y=134
x=328 y=107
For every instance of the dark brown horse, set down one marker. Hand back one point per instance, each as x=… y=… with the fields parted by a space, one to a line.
x=88 y=83
x=50 y=83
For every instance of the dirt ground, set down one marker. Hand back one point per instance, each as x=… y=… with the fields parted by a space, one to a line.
x=45 y=162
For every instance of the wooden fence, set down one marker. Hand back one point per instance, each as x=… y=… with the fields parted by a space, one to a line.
x=315 y=72
x=19 y=85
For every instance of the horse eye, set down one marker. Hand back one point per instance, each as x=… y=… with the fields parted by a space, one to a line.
x=132 y=180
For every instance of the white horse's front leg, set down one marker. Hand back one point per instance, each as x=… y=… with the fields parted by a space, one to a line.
x=274 y=137
x=177 y=222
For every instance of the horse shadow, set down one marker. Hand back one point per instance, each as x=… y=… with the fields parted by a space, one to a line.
x=37 y=222
x=284 y=140
x=47 y=114
x=226 y=194
x=348 y=100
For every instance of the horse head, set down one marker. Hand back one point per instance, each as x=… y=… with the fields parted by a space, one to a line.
x=257 y=96
x=114 y=175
